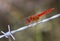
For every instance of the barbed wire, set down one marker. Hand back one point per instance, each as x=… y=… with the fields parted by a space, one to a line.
x=39 y=22
x=9 y=33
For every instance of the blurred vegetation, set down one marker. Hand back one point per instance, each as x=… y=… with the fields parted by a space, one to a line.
x=14 y=12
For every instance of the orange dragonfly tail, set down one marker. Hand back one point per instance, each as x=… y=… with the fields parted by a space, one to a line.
x=46 y=12
x=36 y=17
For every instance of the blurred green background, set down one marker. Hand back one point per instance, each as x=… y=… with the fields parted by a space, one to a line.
x=14 y=12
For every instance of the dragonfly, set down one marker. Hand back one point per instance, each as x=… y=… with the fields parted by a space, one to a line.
x=27 y=20
x=33 y=18
x=10 y=33
x=36 y=17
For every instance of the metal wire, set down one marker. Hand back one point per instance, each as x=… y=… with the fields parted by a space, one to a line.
x=9 y=33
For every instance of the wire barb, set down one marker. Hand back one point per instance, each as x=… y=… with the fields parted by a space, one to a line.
x=9 y=33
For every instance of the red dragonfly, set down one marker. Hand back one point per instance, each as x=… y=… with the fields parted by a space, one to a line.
x=36 y=17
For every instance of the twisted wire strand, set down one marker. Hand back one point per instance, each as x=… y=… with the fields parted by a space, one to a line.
x=39 y=22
